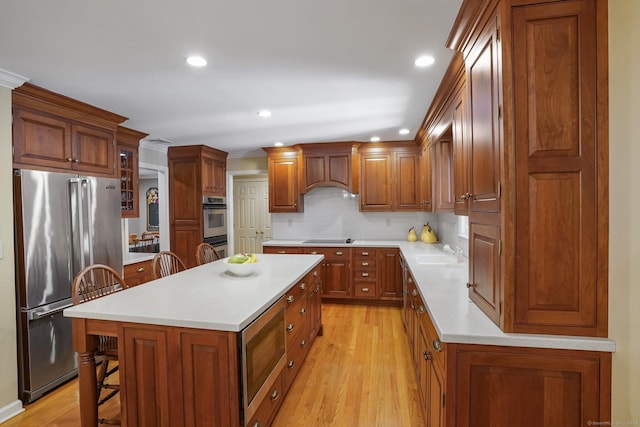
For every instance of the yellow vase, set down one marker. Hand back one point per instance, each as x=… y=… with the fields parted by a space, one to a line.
x=412 y=237
x=428 y=235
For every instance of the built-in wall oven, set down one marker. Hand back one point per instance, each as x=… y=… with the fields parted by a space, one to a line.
x=263 y=353
x=215 y=216
x=219 y=243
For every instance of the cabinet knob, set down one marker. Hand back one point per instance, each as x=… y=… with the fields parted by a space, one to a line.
x=257 y=232
x=469 y=285
x=69 y=159
x=410 y=280
x=303 y=343
x=426 y=355
x=140 y=269
x=303 y=311
x=414 y=292
x=314 y=253
x=437 y=345
x=275 y=395
x=290 y=327
x=421 y=309
x=302 y=286
x=315 y=274
x=256 y=424
x=282 y=252
x=290 y=298
x=291 y=363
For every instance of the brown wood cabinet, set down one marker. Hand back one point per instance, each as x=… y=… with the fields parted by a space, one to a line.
x=332 y=164
x=284 y=186
x=205 y=381
x=281 y=250
x=56 y=133
x=138 y=273
x=534 y=138
x=191 y=176
x=128 y=144
x=426 y=177
x=336 y=268
x=389 y=274
x=444 y=174
x=389 y=177
x=365 y=269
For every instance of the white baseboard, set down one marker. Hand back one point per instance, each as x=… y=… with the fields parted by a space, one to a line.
x=11 y=410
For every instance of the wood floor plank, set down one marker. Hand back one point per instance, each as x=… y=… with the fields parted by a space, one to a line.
x=358 y=374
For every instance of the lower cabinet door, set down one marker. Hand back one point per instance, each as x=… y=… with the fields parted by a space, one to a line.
x=269 y=407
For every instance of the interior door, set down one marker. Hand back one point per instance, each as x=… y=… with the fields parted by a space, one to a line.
x=252 y=221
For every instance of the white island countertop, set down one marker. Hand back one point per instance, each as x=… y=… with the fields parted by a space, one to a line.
x=204 y=297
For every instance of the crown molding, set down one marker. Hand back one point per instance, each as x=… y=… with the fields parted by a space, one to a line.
x=153 y=146
x=11 y=80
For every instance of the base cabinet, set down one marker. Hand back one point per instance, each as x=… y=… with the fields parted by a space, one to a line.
x=138 y=273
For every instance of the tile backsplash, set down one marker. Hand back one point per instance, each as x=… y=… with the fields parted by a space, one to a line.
x=332 y=213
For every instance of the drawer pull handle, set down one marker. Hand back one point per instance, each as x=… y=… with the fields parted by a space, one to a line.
x=303 y=310
x=315 y=274
x=410 y=280
x=339 y=253
x=290 y=298
x=414 y=292
x=303 y=343
x=421 y=309
x=314 y=253
x=140 y=269
x=365 y=264
x=290 y=327
x=365 y=274
x=256 y=424
x=365 y=253
x=365 y=289
x=316 y=290
x=437 y=345
x=282 y=252
x=302 y=286
x=291 y=363
x=275 y=395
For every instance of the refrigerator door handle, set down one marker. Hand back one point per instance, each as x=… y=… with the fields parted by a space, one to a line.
x=88 y=204
x=77 y=226
x=41 y=314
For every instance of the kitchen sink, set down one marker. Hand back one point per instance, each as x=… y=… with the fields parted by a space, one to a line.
x=436 y=259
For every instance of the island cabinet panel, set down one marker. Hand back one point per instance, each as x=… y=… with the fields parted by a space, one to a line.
x=536 y=387
x=315 y=303
x=202 y=391
x=559 y=154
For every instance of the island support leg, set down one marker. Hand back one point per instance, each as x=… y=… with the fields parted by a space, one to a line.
x=85 y=346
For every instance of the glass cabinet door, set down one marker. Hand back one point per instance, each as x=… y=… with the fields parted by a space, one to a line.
x=129 y=182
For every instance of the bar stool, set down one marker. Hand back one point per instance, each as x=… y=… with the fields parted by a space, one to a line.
x=93 y=282
x=205 y=253
x=166 y=263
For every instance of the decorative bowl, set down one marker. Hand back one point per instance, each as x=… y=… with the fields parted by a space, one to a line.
x=240 y=269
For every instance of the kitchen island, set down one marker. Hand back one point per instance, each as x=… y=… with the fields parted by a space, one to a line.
x=178 y=340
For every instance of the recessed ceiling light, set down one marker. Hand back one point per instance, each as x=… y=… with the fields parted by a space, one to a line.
x=196 y=61
x=278 y=144
x=264 y=113
x=375 y=139
x=404 y=131
x=424 y=61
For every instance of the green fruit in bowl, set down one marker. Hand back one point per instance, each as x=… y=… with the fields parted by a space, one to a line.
x=238 y=259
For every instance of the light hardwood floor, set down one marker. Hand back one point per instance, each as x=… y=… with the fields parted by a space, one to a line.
x=358 y=374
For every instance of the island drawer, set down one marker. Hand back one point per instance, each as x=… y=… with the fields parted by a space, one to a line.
x=297 y=349
x=269 y=406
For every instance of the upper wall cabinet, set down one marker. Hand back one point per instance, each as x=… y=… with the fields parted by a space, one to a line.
x=284 y=188
x=128 y=144
x=53 y=132
x=330 y=164
x=390 y=177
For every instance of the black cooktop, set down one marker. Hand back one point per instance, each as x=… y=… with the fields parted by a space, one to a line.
x=332 y=241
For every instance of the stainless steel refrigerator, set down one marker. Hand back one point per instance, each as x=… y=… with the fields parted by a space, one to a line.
x=63 y=223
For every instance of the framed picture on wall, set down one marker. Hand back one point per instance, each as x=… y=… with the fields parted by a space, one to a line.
x=153 y=219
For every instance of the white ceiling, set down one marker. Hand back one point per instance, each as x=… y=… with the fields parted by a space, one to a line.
x=329 y=70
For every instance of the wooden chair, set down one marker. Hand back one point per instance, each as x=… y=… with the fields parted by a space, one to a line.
x=93 y=282
x=205 y=253
x=166 y=263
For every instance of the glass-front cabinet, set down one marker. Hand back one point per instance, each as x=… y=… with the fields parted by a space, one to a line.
x=128 y=143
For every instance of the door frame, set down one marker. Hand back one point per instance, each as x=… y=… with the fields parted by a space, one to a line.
x=230 y=210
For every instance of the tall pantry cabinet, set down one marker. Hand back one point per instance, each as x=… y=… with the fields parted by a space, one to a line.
x=536 y=136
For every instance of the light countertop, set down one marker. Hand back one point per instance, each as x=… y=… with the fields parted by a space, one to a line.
x=356 y=243
x=456 y=318
x=204 y=297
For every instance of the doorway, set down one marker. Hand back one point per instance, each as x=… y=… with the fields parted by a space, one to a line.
x=252 y=221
